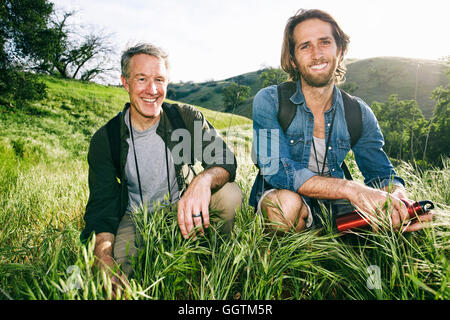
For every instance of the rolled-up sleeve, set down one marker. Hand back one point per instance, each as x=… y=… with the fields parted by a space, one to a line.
x=271 y=146
x=370 y=157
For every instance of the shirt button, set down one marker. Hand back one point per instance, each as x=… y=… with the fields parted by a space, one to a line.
x=332 y=169
x=329 y=124
x=292 y=141
x=329 y=148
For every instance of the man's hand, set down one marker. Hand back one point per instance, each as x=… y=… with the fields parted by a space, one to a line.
x=373 y=200
x=369 y=200
x=193 y=206
x=104 y=242
x=412 y=225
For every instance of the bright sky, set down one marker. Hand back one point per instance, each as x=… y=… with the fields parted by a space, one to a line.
x=217 y=39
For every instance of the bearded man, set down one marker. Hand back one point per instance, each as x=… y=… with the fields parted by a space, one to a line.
x=300 y=165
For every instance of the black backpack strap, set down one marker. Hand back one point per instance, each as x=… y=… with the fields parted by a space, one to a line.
x=286 y=108
x=353 y=117
x=113 y=129
x=174 y=116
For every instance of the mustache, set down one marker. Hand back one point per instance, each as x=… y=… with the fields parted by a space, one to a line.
x=318 y=61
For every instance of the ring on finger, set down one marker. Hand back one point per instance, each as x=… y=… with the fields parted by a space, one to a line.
x=197 y=215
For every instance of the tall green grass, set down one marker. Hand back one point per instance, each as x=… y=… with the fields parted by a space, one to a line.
x=43 y=192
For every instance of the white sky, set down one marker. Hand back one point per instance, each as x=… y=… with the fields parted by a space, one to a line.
x=217 y=39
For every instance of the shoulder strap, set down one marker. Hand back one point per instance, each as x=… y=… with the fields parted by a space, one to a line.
x=286 y=108
x=113 y=129
x=174 y=116
x=353 y=117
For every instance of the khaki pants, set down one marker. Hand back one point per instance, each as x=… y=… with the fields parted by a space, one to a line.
x=226 y=201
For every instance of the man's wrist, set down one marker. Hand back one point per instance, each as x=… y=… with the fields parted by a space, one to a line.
x=215 y=177
x=351 y=190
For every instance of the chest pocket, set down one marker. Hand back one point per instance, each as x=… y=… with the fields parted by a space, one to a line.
x=296 y=144
x=343 y=149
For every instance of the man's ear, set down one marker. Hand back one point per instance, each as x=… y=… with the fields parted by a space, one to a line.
x=125 y=83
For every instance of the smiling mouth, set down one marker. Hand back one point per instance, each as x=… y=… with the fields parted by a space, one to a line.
x=149 y=100
x=319 y=66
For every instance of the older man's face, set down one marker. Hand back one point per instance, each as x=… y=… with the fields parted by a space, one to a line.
x=147 y=87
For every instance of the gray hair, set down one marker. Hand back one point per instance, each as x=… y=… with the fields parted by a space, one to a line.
x=143 y=48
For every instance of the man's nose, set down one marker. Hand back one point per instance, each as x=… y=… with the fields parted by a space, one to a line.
x=151 y=87
x=317 y=52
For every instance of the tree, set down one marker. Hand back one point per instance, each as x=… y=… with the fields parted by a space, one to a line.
x=21 y=22
x=69 y=53
x=272 y=76
x=436 y=144
x=394 y=118
x=234 y=95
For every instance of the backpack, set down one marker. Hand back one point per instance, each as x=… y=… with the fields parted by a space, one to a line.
x=113 y=130
x=287 y=110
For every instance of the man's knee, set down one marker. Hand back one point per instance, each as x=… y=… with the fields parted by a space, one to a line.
x=227 y=200
x=285 y=210
x=125 y=244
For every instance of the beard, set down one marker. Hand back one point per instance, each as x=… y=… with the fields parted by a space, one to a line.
x=317 y=80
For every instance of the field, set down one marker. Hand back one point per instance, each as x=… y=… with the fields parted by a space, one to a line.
x=43 y=193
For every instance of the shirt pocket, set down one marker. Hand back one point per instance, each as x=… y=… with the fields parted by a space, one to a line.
x=296 y=144
x=343 y=149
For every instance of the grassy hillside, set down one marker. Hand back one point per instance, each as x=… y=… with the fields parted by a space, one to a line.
x=43 y=193
x=378 y=78
x=375 y=80
x=209 y=94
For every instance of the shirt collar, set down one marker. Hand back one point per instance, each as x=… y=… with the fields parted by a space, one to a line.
x=299 y=99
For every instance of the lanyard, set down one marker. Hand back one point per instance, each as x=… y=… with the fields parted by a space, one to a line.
x=136 y=162
x=135 y=158
x=327 y=144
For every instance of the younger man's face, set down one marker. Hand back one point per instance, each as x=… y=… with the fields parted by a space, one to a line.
x=316 y=52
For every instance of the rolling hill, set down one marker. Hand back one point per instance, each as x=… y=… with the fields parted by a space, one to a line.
x=373 y=79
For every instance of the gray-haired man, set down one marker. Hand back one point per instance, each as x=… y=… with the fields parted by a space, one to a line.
x=149 y=169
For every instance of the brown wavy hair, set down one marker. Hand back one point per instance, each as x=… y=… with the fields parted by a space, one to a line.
x=288 y=48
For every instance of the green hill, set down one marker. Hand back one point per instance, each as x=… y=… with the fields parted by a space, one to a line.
x=372 y=80
x=378 y=78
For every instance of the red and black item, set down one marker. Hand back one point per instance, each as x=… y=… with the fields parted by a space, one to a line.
x=354 y=220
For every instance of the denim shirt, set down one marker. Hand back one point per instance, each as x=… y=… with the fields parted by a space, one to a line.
x=283 y=156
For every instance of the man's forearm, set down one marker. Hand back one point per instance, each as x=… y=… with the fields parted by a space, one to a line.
x=332 y=188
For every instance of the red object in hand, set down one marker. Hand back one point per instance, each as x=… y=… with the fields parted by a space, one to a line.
x=354 y=220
